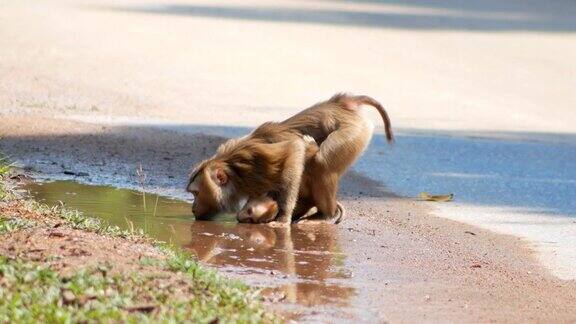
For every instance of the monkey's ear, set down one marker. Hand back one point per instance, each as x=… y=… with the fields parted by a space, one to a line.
x=221 y=177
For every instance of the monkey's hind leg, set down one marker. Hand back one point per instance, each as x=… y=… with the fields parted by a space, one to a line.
x=324 y=194
x=319 y=217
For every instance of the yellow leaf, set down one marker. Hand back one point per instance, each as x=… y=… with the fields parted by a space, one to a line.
x=438 y=198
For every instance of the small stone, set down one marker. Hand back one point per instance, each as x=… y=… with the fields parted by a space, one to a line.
x=68 y=296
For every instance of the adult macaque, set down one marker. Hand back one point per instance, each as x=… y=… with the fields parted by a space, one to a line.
x=245 y=169
x=336 y=125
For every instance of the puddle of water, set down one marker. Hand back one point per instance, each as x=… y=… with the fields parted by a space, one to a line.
x=302 y=266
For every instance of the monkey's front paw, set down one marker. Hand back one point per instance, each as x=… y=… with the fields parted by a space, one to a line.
x=307 y=221
x=277 y=224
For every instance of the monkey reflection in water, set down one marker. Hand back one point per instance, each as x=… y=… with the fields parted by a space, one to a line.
x=309 y=255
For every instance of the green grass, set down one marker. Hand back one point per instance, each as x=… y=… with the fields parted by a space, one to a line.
x=10 y=225
x=31 y=292
x=5 y=166
x=4 y=169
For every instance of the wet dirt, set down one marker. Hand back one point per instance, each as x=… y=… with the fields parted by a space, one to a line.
x=298 y=267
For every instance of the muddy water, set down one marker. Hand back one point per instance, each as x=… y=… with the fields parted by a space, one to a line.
x=301 y=266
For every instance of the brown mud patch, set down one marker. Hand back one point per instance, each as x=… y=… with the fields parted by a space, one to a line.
x=66 y=250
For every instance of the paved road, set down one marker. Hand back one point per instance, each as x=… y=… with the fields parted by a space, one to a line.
x=449 y=65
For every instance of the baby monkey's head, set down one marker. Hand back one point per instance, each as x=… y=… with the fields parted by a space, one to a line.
x=258 y=210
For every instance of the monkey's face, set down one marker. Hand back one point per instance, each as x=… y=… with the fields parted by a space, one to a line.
x=258 y=210
x=204 y=206
x=206 y=185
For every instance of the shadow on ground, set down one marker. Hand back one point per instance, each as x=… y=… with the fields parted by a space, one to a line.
x=527 y=173
x=112 y=156
x=431 y=15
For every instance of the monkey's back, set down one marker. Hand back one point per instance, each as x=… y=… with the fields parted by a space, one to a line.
x=322 y=119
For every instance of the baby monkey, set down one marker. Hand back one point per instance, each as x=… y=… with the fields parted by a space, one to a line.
x=265 y=209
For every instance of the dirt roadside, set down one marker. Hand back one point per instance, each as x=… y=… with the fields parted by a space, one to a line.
x=57 y=265
x=406 y=266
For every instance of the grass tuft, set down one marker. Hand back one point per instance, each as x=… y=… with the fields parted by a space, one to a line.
x=14 y=224
x=5 y=167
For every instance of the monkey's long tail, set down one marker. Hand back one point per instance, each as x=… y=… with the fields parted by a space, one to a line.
x=365 y=100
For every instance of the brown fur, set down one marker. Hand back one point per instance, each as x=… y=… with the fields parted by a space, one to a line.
x=264 y=209
x=342 y=135
x=251 y=167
